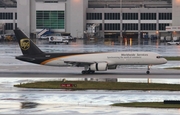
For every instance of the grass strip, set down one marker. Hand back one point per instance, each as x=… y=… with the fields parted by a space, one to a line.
x=148 y=105
x=172 y=58
x=177 y=68
x=94 y=85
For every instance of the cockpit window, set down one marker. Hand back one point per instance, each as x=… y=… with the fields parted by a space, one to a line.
x=159 y=57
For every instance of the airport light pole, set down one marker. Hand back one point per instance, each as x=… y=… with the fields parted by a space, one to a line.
x=121 y=34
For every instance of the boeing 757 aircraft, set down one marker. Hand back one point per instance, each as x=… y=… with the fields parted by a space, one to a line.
x=100 y=61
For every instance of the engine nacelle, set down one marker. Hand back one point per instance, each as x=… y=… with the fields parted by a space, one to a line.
x=99 y=66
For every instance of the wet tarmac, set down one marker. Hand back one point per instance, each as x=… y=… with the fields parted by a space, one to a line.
x=44 y=101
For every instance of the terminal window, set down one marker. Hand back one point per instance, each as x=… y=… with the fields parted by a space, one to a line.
x=112 y=26
x=163 y=26
x=6 y=16
x=132 y=26
x=165 y=16
x=149 y=26
x=112 y=16
x=50 y=19
x=148 y=16
x=94 y=16
x=130 y=16
x=9 y=26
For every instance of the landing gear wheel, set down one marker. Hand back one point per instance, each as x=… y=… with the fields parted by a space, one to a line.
x=148 y=72
x=88 y=72
x=148 y=69
x=83 y=72
x=91 y=72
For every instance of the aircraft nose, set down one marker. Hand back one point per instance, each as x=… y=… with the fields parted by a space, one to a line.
x=164 y=60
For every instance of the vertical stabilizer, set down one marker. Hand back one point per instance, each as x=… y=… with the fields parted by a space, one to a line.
x=27 y=46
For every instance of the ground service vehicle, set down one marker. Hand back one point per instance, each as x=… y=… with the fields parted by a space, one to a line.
x=173 y=43
x=58 y=39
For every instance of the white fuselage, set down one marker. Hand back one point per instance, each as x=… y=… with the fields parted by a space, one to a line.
x=112 y=58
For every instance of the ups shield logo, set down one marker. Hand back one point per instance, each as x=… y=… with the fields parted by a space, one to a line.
x=25 y=44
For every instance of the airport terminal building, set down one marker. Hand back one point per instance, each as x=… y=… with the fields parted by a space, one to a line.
x=116 y=18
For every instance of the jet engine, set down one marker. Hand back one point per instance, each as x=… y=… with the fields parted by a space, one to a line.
x=99 y=66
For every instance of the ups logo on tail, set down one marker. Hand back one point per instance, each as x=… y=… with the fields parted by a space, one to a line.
x=25 y=44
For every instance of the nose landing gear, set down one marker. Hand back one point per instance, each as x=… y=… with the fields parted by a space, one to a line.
x=148 y=69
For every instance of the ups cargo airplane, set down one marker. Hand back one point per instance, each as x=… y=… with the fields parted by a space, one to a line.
x=99 y=61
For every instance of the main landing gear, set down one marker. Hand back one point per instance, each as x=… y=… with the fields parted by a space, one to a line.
x=87 y=70
x=148 y=69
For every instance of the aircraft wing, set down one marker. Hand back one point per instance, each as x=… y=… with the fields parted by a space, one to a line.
x=78 y=63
